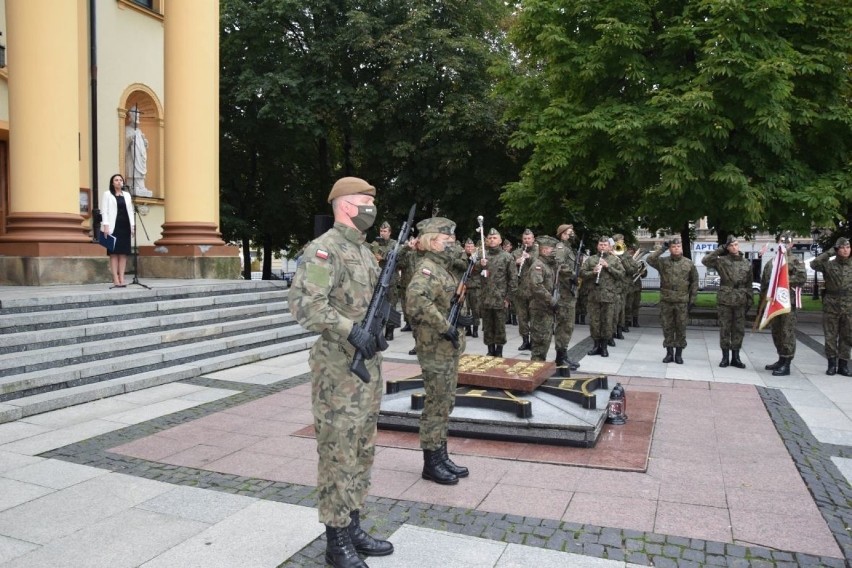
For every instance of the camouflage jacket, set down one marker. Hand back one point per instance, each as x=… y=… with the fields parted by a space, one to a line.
x=838 y=281
x=541 y=282
x=735 y=275
x=565 y=261
x=407 y=263
x=428 y=298
x=333 y=285
x=796 y=275
x=608 y=285
x=678 y=277
x=475 y=280
x=502 y=280
x=523 y=271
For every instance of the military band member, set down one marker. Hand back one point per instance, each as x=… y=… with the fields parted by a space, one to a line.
x=733 y=299
x=621 y=297
x=439 y=344
x=837 y=305
x=678 y=290
x=381 y=247
x=500 y=284
x=601 y=274
x=566 y=260
x=541 y=281
x=582 y=292
x=634 y=294
x=784 y=325
x=330 y=295
x=524 y=255
x=473 y=287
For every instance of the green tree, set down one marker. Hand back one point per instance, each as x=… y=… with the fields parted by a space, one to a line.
x=662 y=112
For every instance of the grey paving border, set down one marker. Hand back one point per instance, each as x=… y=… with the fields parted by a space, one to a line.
x=384 y=516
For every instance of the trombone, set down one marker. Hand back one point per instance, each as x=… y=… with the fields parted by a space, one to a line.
x=640 y=256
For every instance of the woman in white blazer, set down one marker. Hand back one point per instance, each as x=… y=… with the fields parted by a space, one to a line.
x=117 y=211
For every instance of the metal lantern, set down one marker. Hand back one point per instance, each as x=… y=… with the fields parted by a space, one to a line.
x=616 y=408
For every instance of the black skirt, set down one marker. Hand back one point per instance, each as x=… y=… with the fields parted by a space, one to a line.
x=122 y=228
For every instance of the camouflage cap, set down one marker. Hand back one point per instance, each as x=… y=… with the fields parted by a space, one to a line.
x=527 y=232
x=493 y=231
x=841 y=242
x=675 y=241
x=603 y=239
x=385 y=225
x=546 y=241
x=350 y=186
x=562 y=228
x=469 y=241
x=731 y=240
x=437 y=225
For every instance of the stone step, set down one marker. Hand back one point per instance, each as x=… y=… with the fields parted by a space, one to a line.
x=34 y=358
x=53 y=400
x=54 y=337
x=34 y=382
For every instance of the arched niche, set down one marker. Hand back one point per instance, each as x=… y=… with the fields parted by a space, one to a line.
x=150 y=122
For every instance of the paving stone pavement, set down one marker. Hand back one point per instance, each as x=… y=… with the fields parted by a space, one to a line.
x=66 y=500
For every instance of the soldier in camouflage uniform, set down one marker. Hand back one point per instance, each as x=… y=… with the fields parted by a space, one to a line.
x=837 y=306
x=566 y=260
x=472 y=297
x=524 y=257
x=634 y=294
x=439 y=344
x=784 y=325
x=542 y=279
x=408 y=259
x=621 y=297
x=678 y=290
x=582 y=293
x=380 y=248
x=733 y=299
x=511 y=316
x=499 y=281
x=330 y=295
x=600 y=273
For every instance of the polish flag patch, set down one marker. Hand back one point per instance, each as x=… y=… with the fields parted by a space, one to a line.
x=426 y=272
x=322 y=254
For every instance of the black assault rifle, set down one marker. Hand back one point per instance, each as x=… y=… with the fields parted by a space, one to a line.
x=380 y=313
x=577 y=267
x=461 y=292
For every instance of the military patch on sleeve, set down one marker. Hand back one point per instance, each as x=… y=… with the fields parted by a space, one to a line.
x=322 y=254
x=318 y=275
x=426 y=272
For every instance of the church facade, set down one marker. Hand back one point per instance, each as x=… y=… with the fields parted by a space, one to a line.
x=91 y=88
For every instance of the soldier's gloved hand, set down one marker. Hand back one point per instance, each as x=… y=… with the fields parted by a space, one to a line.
x=363 y=341
x=452 y=335
x=464 y=321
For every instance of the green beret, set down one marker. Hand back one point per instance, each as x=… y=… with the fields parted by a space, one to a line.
x=547 y=241
x=350 y=186
x=437 y=225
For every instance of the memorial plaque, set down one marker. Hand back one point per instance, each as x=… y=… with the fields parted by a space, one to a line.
x=499 y=373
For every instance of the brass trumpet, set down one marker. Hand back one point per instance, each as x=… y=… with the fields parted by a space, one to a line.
x=619 y=248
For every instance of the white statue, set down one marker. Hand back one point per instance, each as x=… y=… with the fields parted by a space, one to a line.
x=136 y=154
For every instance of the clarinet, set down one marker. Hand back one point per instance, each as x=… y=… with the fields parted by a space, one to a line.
x=598 y=277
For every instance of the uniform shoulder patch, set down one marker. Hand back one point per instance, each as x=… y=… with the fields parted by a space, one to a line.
x=426 y=271
x=322 y=254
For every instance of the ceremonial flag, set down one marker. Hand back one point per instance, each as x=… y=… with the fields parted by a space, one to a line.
x=778 y=293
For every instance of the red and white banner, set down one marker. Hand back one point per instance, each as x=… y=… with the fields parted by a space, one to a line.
x=778 y=293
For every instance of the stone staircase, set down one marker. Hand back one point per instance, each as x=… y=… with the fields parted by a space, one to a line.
x=62 y=349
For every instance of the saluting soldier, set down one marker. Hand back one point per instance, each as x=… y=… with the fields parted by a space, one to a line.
x=563 y=328
x=784 y=325
x=524 y=256
x=541 y=282
x=330 y=295
x=499 y=283
x=381 y=247
x=601 y=274
x=837 y=305
x=678 y=290
x=733 y=299
x=439 y=344
x=473 y=287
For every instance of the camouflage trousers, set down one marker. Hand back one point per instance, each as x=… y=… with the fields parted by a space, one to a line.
x=618 y=311
x=837 y=326
x=494 y=326
x=522 y=310
x=601 y=320
x=784 y=334
x=631 y=306
x=564 y=326
x=731 y=326
x=673 y=318
x=472 y=302
x=439 y=363
x=541 y=332
x=582 y=300
x=345 y=412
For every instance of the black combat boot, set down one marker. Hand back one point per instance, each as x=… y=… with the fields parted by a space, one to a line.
x=339 y=550
x=618 y=334
x=679 y=355
x=776 y=365
x=475 y=331
x=562 y=366
x=725 y=361
x=413 y=351
x=573 y=365
x=735 y=359
x=583 y=319
x=467 y=331
x=625 y=328
x=509 y=318
x=611 y=341
x=498 y=350
x=525 y=345
x=784 y=368
x=843 y=368
x=636 y=321
x=363 y=542
x=576 y=319
x=596 y=350
x=604 y=350
x=454 y=468
x=832 y=366
x=491 y=350
x=435 y=470
x=514 y=318
x=389 y=333
x=407 y=327
x=669 y=355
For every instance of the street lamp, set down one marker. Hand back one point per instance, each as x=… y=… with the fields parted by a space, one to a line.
x=816 y=250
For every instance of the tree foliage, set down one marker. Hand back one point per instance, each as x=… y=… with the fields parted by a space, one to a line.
x=663 y=112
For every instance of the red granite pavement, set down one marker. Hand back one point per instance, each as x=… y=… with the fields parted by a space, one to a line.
x=717 y=470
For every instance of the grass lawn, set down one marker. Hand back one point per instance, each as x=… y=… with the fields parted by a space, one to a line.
x=708 y=300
